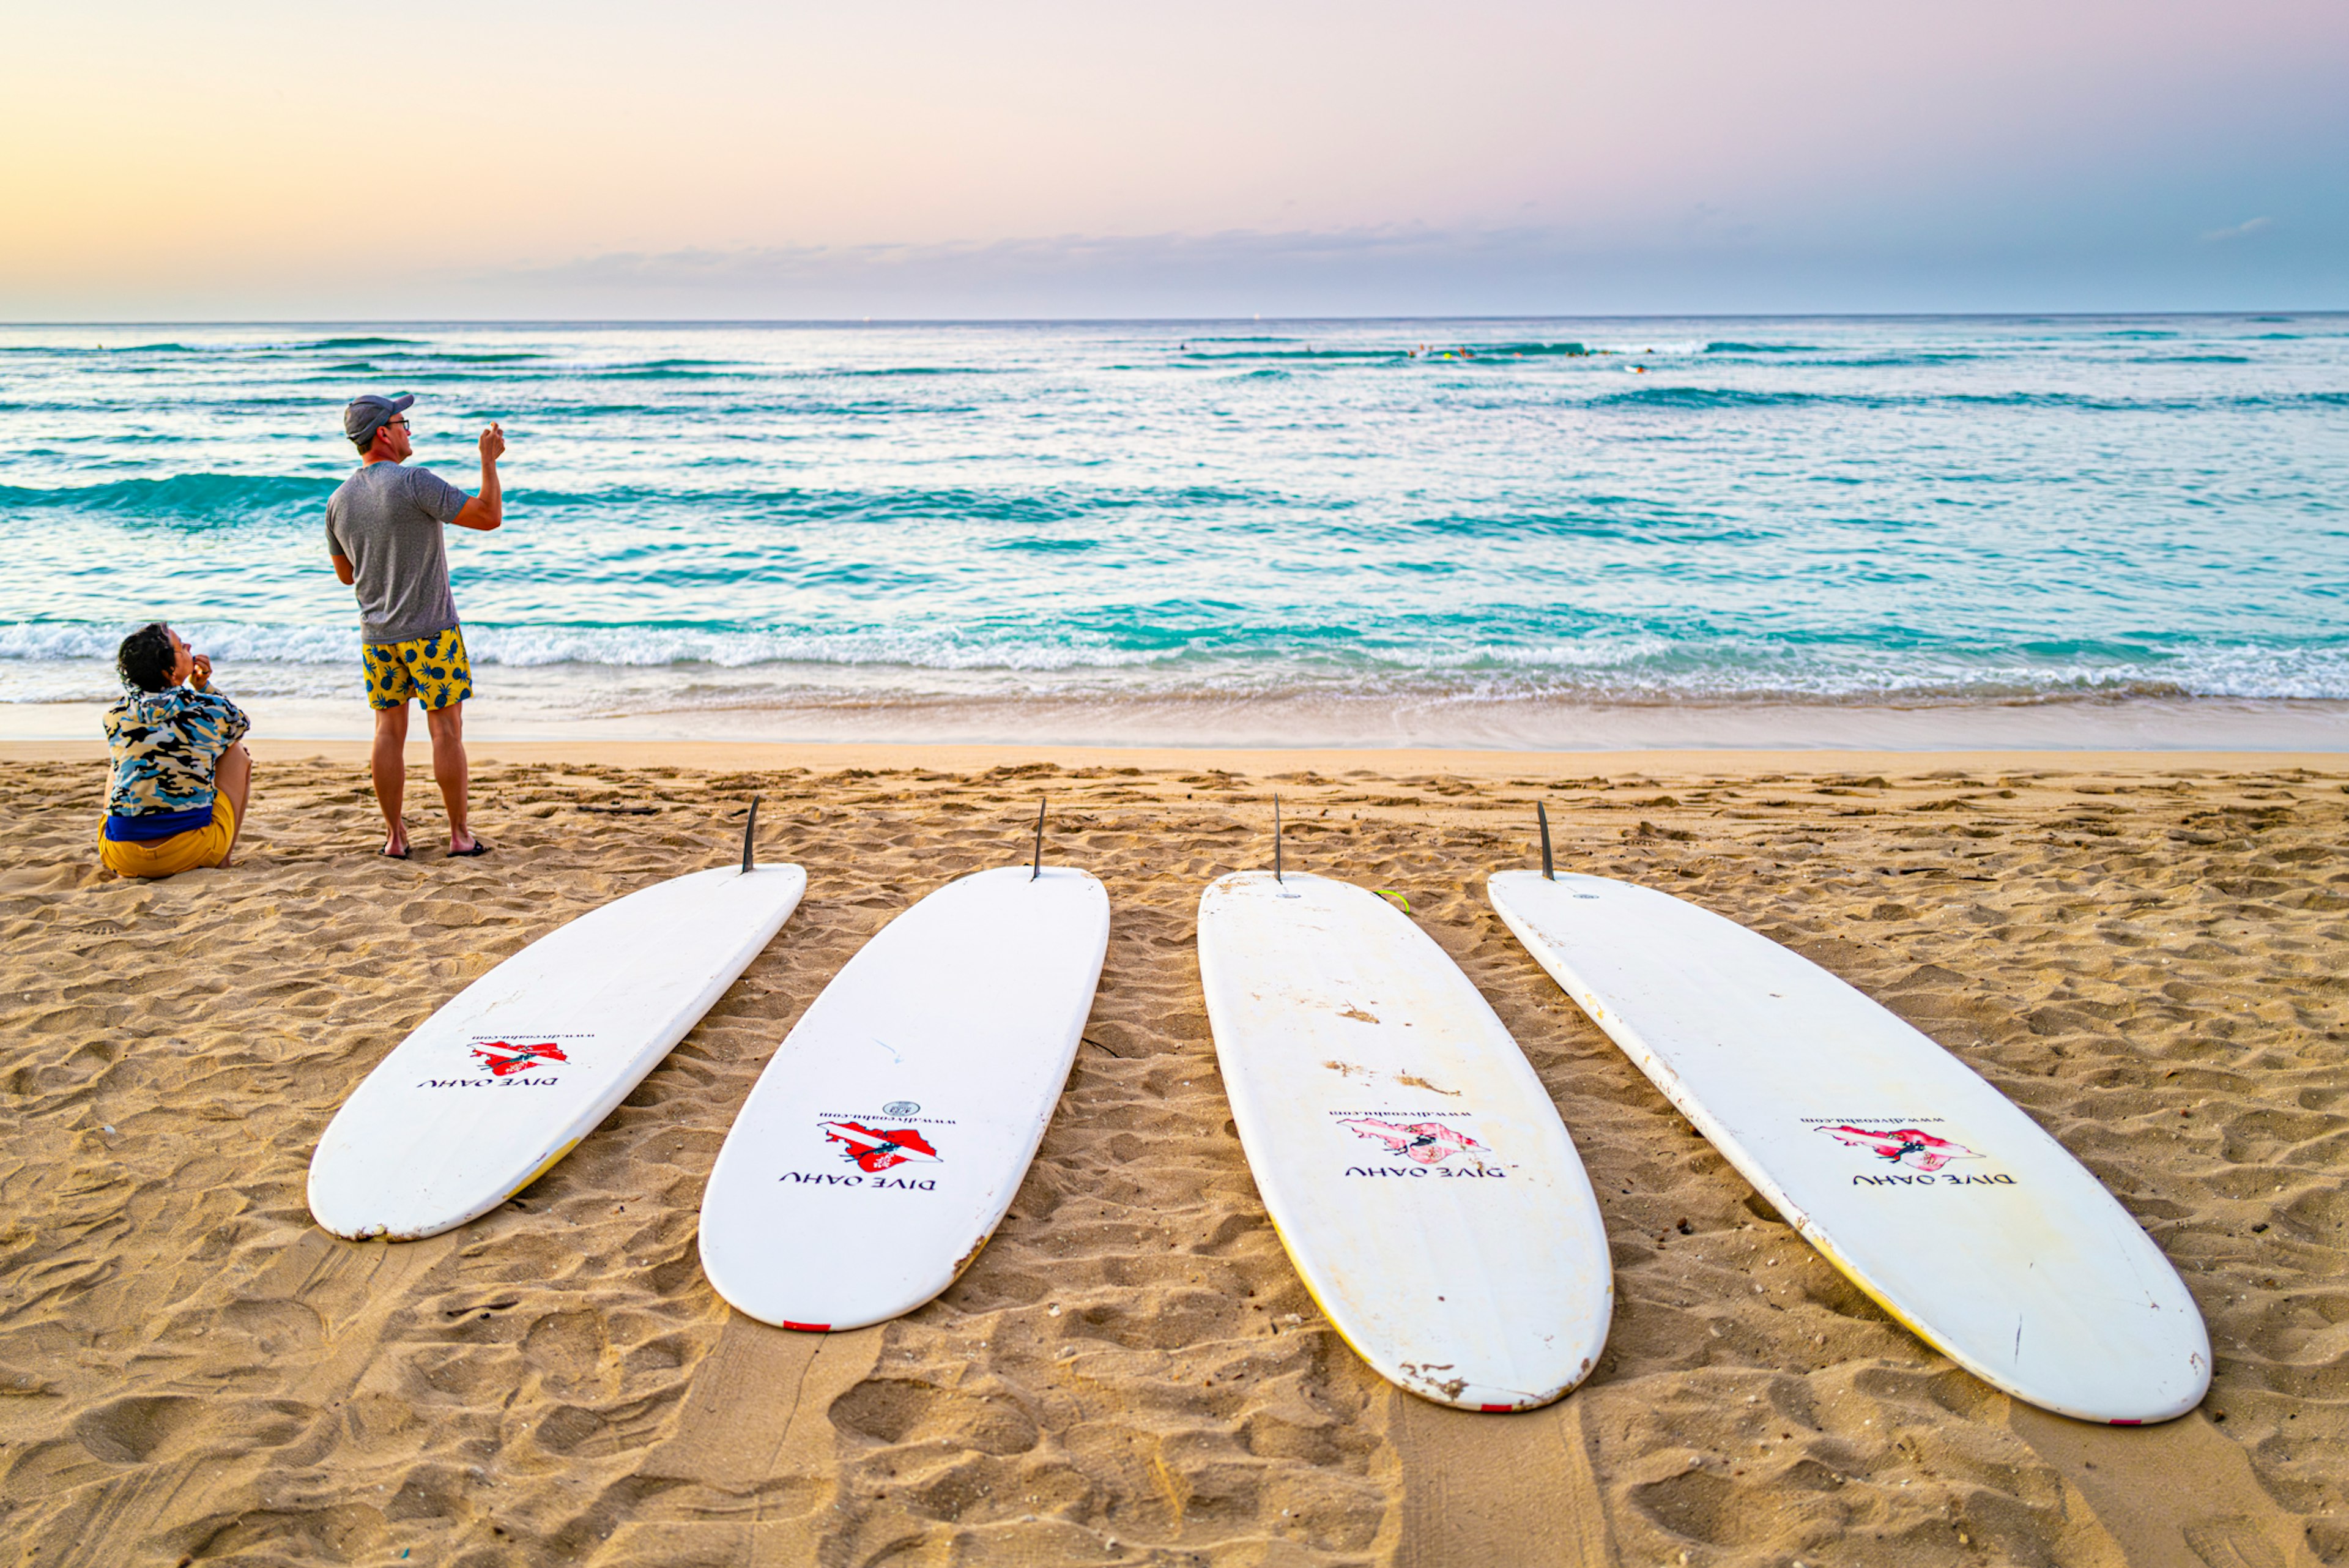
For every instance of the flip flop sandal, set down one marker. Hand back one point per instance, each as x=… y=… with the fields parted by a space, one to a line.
x=388 y=855
x=478 y=848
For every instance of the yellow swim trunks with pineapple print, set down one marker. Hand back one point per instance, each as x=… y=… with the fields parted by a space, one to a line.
x=431 y=669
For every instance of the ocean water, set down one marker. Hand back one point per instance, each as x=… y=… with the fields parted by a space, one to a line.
x=1512 y=533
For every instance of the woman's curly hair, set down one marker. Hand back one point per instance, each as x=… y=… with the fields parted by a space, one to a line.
x=145 y=659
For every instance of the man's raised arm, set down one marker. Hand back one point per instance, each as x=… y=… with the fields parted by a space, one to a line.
x=486 y=510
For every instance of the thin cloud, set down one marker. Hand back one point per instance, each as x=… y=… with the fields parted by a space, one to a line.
x=2240 y=231
x=1381 y=269
x=1057 y=255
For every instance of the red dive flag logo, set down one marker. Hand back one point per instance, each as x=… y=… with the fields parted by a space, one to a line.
x=501 y=1058
x=876 y=1148
x=1424 y=1142
x=1903 y=1146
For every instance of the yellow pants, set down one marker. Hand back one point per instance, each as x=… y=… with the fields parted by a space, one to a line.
x=169 y=856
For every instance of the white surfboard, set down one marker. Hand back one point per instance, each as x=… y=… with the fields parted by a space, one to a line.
x=883 y=1143
x=1412 y=1162
x=1923 y=1184
x=495 y=1087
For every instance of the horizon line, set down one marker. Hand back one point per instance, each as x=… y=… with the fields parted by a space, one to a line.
x=1118 y=320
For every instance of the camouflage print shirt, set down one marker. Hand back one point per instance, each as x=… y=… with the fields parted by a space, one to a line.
x=166 y=744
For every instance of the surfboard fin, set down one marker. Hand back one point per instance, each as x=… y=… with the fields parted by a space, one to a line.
x=1276 y=838
x=1549 y=872
x=1037 y=869
x=749 y=830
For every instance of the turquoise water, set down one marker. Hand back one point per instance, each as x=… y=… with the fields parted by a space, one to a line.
x=909 y=520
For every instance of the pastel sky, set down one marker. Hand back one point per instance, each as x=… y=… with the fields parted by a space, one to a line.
x=917 y=157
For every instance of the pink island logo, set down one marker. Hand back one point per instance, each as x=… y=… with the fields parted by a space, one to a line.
x=1902 y=1146
x=502 y=1059
x=876 y=1149
x=1424 y=1143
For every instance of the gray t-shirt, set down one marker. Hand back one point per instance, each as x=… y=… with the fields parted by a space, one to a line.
x=384 y=520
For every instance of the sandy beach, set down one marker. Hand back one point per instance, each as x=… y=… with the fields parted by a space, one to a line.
x=2142 y=950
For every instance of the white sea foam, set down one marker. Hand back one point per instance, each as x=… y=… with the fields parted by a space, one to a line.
x=620 y=647
x=924 y=649
x=43 y=662
x=1671 y=346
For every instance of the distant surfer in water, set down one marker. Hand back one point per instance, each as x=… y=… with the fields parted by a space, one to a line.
x=180 y=776
x=383 y=535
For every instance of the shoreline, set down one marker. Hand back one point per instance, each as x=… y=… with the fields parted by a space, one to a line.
x=1315 y=720
x=831 y=756
x=878 y=706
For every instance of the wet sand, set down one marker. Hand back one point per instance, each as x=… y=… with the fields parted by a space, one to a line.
x=2144 y=950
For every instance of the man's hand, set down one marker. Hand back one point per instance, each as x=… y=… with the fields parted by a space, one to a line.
x=486 y=510
x=200 y=678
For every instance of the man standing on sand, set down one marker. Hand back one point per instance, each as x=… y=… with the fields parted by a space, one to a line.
x=383 y=533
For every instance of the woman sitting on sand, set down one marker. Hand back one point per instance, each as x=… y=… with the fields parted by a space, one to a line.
x=179 y=776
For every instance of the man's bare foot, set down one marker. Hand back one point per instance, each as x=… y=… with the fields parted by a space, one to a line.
x=472 y=846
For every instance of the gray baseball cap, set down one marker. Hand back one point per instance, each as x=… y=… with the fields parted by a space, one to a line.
x=363 y=416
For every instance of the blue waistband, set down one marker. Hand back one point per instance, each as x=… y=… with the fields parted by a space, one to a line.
x=137 y=829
